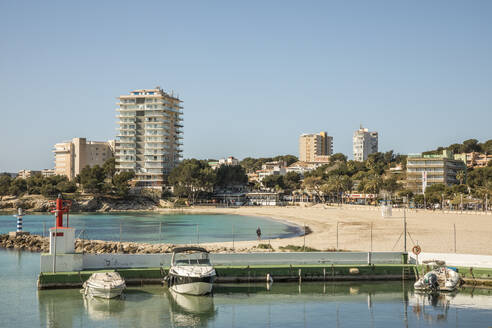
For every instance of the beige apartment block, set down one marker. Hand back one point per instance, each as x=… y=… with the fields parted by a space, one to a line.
x=474 y=159
x=149 y=135
x=315 y=147
x=426 y=170
x=72 y=156
x=24 y=174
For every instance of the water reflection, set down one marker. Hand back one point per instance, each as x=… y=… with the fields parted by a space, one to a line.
x=190 y=311
x=256 y=305
x=102 y=309
x=431 y=307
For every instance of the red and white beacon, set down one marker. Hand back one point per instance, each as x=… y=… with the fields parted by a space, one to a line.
x=62 y=238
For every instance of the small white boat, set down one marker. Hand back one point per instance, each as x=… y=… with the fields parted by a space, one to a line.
x=104 y=285
x=439 y=279
x=191 y=272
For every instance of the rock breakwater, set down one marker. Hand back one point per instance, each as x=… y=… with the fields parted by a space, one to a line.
x=35 y=243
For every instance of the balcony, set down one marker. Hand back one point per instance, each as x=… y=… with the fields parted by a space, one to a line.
x=125 y=166
x=153 y=166
x=123 y=160
x=154 y=114
x=155 y=147
x=125 y=145
x=155 y=127
x=160 y=153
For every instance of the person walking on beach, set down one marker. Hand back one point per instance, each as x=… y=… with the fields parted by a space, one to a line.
x=258 y=233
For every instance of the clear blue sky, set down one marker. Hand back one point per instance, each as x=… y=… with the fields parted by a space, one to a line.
x=253 y=75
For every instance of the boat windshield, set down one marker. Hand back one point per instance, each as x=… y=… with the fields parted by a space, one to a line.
x=191 y=259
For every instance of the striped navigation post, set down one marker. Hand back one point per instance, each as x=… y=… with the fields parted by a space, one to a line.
x=19 y=219
x=19 y=231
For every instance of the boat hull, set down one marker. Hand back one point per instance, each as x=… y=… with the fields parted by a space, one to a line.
x=193 y=288
x=104 y=292
x=104 y=285
x=201 y=285
x=447 y=281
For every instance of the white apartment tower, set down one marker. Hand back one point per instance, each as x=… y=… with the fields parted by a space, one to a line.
x=149 y=138
x=365 y=143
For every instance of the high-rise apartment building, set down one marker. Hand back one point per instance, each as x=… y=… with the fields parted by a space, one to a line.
x=364 y=143
x=426 y=170
x=315 y=147
x=150 y=132
x=72 y=156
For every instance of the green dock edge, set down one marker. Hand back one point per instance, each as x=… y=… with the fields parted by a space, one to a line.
x=253 y=273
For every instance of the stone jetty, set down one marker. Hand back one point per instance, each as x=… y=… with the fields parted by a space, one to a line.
x=36 y=243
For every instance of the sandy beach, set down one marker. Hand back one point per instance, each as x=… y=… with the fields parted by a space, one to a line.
x=432 y=230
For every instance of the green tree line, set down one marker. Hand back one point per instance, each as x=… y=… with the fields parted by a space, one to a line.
x=97 y=180
x=468 y=146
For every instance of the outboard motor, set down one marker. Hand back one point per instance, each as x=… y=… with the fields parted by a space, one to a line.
x=431 y=280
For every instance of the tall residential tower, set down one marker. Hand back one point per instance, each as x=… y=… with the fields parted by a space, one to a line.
x=315 y=147
x=150 y=132
x=365 y=143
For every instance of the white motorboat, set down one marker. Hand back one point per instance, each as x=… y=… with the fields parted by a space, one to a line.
x=191 y=272
x=439 y=279
x=104 y=285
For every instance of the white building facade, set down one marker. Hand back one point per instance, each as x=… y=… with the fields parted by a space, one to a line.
x=149 y=135
x=364 y=143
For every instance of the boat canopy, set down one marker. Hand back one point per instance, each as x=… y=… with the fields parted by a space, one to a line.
x=189 y=249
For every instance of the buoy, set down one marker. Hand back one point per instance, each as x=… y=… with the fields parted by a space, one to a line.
x=354 y=271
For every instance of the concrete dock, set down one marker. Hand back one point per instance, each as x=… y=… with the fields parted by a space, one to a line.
x=245 y=274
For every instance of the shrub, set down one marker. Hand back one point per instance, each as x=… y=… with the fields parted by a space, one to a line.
x=264 y=246
x=294 y=248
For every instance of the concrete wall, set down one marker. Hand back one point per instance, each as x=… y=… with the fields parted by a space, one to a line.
x=77 y=262
x=64 y=262
x=466 y=260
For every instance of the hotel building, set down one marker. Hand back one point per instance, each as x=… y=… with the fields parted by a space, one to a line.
x=149 y=135
x=315 y=147
x=474 y=159
x=426 y=170
x=72 y=156
x=364 y=143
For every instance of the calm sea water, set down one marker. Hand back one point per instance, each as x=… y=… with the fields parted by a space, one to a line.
x=152 y=227
x=387 y=304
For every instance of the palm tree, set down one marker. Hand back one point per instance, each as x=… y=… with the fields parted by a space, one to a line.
x=460 y=176
x=373 y=184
